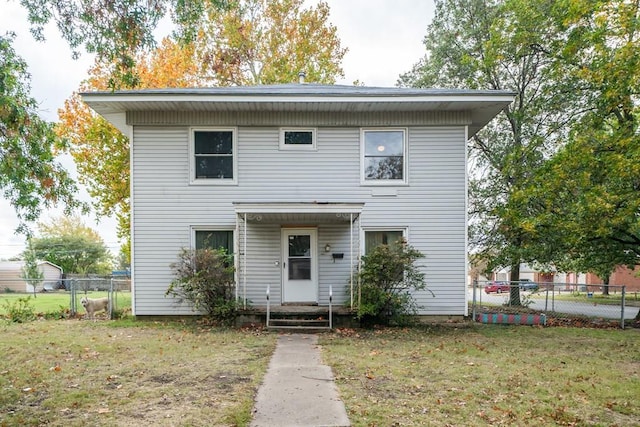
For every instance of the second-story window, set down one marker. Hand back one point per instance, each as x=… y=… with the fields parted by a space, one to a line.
x=384 y=156
x=297 y=139
x=214 y=155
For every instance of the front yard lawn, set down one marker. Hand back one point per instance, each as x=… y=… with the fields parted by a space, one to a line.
x=487 y=375
x=80 y=373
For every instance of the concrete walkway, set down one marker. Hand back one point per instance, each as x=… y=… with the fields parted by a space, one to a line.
x=297 y=389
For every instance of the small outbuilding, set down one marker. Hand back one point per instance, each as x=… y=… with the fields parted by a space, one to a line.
x=11 y=276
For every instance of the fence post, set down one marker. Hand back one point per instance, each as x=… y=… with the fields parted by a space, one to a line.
x=111 y=298
x=72 y=288
x=622 y=307
x=473 y=307
x=546 y=300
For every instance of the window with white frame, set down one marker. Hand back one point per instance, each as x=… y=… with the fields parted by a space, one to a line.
x=214 y=157
x=297 y=139
x=384 y=156
x=213 y=239
x=374 y=238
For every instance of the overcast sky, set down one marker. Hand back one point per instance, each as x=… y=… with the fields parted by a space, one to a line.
x=384 y=38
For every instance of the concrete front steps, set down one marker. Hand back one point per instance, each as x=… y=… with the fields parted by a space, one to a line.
x=312 y=319
x=297 y=318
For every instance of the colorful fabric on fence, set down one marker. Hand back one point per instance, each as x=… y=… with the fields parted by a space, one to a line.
x=512 y=319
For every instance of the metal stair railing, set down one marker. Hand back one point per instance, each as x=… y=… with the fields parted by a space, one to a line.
x=268 y=307
x=330 y=307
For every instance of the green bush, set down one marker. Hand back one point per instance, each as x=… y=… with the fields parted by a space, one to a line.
x=20 y=310
x=63 y=312
x=205 y=278
x=387 y=277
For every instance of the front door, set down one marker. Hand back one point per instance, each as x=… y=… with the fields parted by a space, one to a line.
x=299 y=265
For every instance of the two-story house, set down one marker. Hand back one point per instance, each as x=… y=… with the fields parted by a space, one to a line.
x=298 y=181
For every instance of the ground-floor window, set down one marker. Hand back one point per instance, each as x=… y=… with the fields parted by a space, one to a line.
x=374 y=238
x=214 y=239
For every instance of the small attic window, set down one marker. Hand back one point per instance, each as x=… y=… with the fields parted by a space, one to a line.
x=297 y=139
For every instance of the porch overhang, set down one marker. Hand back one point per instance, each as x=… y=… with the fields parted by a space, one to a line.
x=299 y=213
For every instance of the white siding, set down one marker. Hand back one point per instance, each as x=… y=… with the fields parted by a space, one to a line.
x=431 y=207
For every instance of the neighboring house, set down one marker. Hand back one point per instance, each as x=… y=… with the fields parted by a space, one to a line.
x=11 y=276
x=621 y=276
x=527 y=272
x=298 y=181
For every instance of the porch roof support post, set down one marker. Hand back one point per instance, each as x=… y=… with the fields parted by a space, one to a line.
x=236 y=258
x=360 y=246
x=244 y=269
x=351 y=257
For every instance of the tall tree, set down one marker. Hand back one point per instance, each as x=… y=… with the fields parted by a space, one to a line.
x=301 y=39
x=30 y=176
x=588 y=196
x=492 y=44
x=70 y=244
x=31 y=272
x=265 y=42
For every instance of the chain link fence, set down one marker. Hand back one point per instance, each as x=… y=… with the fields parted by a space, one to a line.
x=72 y=290
x=553 y=303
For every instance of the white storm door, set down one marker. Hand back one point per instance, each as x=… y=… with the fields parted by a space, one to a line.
x=299 y=265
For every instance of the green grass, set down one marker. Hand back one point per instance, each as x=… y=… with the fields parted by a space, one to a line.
x=486 y=375
x=52 y=302
x=123 y=373
x=143 y=373
x=631 y=299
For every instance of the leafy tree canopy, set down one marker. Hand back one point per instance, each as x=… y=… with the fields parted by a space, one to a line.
x=70 y=244
x=574 y=67
x=266 y=42
x=495 y=45
x=30 y=176
x=116 y=31
x=587 y=197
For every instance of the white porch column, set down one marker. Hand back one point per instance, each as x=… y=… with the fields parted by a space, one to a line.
x=236 y=258
x=244 y=270
x=351 y=257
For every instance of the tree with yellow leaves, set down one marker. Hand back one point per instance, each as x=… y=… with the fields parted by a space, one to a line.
x=253 y=42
